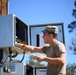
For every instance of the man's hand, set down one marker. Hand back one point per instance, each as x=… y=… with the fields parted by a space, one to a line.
x=21 y=45
x=39 y=58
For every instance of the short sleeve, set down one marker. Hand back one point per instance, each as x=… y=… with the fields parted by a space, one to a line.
x=59 y=48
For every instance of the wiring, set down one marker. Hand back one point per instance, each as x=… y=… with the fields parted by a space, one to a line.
x=4 y=62
x=22 y=57
x=15 y=55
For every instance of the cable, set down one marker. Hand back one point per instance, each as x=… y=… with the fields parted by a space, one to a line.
x=4 y=62
x=23 y=57
x=68 y=6
x=13 y=56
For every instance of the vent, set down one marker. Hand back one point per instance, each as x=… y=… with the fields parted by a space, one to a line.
x=12 y=67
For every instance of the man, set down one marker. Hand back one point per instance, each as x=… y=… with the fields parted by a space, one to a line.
x=55 y=51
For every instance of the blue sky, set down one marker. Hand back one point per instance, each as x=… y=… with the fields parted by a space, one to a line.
x=43 y=12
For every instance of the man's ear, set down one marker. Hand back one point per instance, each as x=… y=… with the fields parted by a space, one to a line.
x=51 y=35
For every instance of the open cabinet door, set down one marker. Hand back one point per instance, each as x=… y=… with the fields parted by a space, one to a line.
x=12 y=30
x=36 y=33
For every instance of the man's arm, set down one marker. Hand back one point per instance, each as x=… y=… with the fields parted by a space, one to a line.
x=30 y=48
x=57 y=61
x=61 y=60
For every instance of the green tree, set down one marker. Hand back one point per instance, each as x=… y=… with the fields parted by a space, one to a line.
x=72 y=28
x=70 y=69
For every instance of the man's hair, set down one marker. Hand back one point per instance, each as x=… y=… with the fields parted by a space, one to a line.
x=55 y=35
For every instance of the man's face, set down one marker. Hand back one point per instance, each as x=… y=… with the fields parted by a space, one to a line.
x=46 y=37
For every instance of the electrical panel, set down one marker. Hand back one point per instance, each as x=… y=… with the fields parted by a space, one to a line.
x=15 y=69
x=12 y=31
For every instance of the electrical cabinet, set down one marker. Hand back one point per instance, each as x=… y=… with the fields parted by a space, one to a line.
x=15 y=69
x=12 y=30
